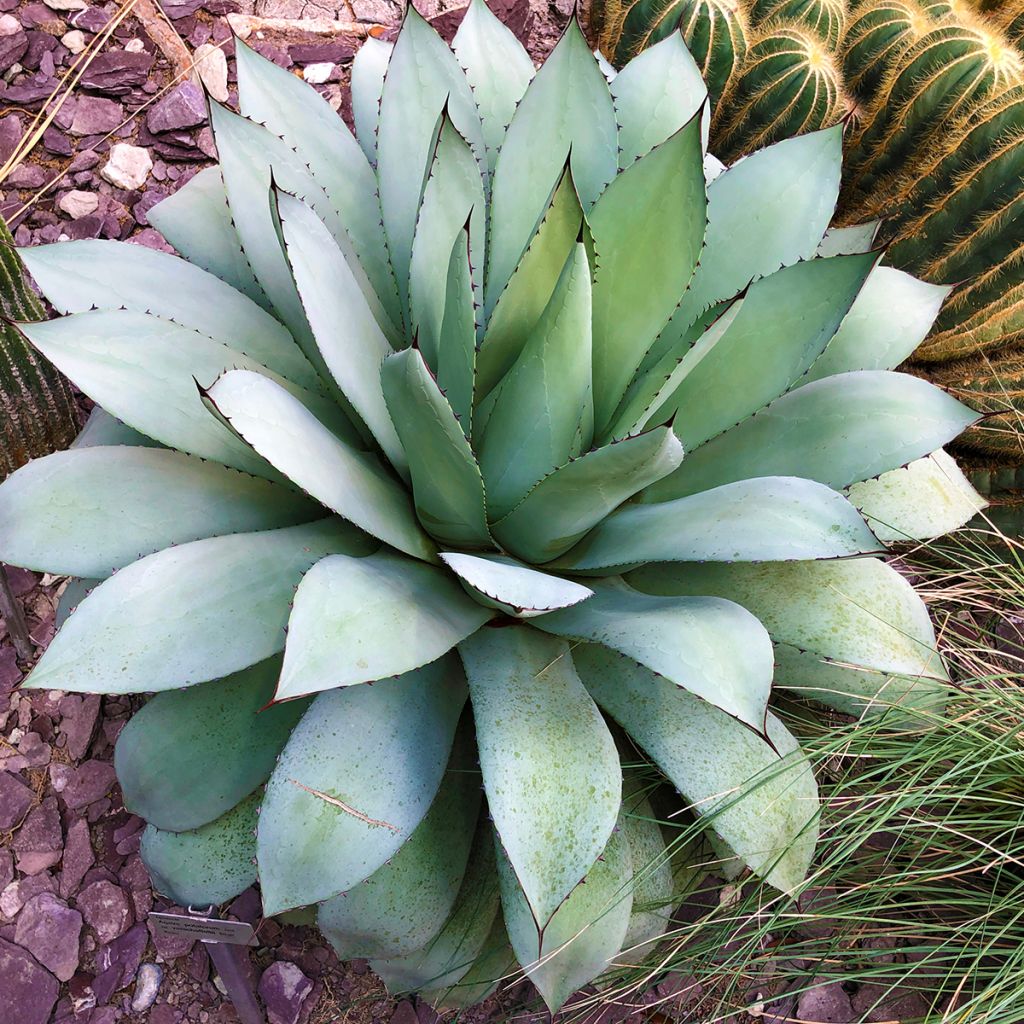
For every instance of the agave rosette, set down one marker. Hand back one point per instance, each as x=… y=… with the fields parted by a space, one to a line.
x=516 y=428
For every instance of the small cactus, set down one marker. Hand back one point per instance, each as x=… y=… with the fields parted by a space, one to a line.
x=788 y=85
x=825 y=17
x=880 y=32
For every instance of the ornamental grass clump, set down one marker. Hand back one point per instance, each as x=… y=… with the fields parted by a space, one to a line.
x=452 y=465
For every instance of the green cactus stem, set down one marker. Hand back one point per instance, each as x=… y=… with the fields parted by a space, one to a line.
x=788 y=85
x=825 y=17
x=38 y=413
x=878 y=35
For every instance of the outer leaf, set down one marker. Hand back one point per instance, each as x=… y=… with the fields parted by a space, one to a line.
x=446 y=482
x=189 y=613
x=516 y=589
x=924 y=500
x=713 y=648
x=529 y=289
x=368 y=70
x=423 y=77
x=453 y=198
x=779 y=329
x=768 y=518
x=846 y=241
x=103 y=430
x=587 y=931
x=79 y=276
x=88 y=512
x=764 y=805
x=838 y=431
x=887 y=321
x=551 y=771
x=495 y=963
x=354 y=781
x=655 y=94
x=74 y=593
x=768 y=210
x=291 y=109
x=213 y=864
x=652 y=872
x=578 y=495
x=648 y=229
x=446 y=959
x=405 y=903
x=543 y=412
x=290 y=437
x=498 y=69
x=197 y=222
x=456 y=358
x=566 y=108
x=859 y=612
x=348 y=612
x=188 y=756
x=331 y=297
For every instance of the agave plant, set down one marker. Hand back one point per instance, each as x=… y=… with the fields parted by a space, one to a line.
x=514 y=435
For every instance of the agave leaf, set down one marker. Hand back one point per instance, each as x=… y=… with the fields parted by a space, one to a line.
x=102 y=430
x=516 y=589
x=792 y=188
x=846 y=241
x=773 y=336
x=292 y=110
x=79 y=276
x=529 y=289
x=578 y=495
x=353 y=483
x=355 y=779
x=74 y=594
x=566 y=112
x=543 y=413
x=331 y=296
x=648 y=227
x=348 y=612
x=551 y=771
x=197 y=222
x=652 y=871
x=188 y=756
x=921 y=501
x=406 y=902
x=655 y=94
x=859 y=612
x=368 y=70
x=447 y=487
x=124 y=503
x=888 y=320
x=190 y=613
x=452 y=199
x=768 y=518
x=838 y=430
x=586 y=932
x=209 y=865
x=456 y=357
x=423 y=78
x=498 y=69
x=764 y=804
x=144 y=370
x=446 y=959
x=713 y=648
x=495 y=962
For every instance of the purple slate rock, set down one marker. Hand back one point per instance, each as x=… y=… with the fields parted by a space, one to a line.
x=78 y=857
x=31 y=92
x=15 y=800
x=13 y=43
x=79 y=716
x=49 y=929
x=877 y=1003
x=117 y=72
x=182 y=107
x=31 y=746
x=826 y=1004
x=170 y=947
x=6 y=869
x=151 y=239
x=56 y=142
x=93 y=779
x=178 y=9
x=39 y=44
x=92 y=19
x=150 y=198
x=10 y=674
x=321 y=53
x=17 y=894
x=105 y=909
x=405 y=1013
x=164 y=1013
x=27 y=991
x=96 y=116
x=283 y=988
x=118 y=963
x=40 y=16
x=27 y=176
